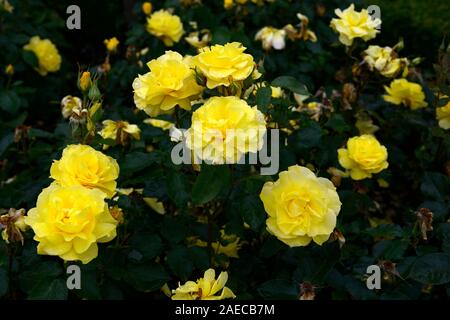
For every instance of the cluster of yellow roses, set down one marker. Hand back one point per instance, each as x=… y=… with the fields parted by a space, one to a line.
x=71 y=215
x=352 y=25
x=221 y=120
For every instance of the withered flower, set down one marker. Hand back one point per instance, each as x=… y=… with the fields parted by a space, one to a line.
x=13 y=225
x=307 y=291
x=425 y=221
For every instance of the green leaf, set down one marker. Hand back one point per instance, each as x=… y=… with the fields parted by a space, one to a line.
x=38 y=133
x=338 y=123
x=177 y=186
x=221 y=35
x=279 y=289
x=306 y=137
x=147 y=244
x=386 y=231
x=252 y=211
x=210 y=182
x=146 y=277
x=30 y=58
x=173 y=230
x=9 y=101
x=6 y=141
x=89 y=283
x=55 y=289
x=436 y=186
x=290 y=83
x=433 y=268
x=39 y=276
x=180 y=262
x=263 y=97
x=390 y=249
x=136 y=161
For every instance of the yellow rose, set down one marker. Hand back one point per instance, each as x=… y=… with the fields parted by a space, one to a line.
x=147 y=8
x=170 y=82
x=384 y=60
x=223 y=65
x=401 y=91
x=271 y=38
x=224 y=129
x=352 y=24
x=364 y=155
x=111 y=44
x=301 y=207
x=46 y=53
x=443 y=116
x=85 y=81
x=120 y=131
x=9 y=70
x=228 y=4
x=166 y=26
x=69 y=221
x=205 y=288
x=81 y=165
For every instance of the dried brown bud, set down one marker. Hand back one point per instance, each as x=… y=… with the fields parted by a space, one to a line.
x=307 y=291
x=425 y=220
x=337 y=235
x=21 y=133
x=390 y=270
x=349 y=95
x=117 y=214
x=13 y=224
x=321 y=9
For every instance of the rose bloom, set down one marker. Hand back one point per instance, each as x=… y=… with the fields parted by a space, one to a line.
x=82 y=165
x=120 y=131
x=271 y=38
x=224 y=64
x=69 y=104
x=443 y=116
x=170 y=82
x=353 y=24
x=363 y=156
x=224 y=129
x=46 y=53
x=69 y=221
x=111 y=44
x=166 y=26
x=384 y=60
x=301 y=207
x=410 y=94
x=205 y=288
x=147 y=8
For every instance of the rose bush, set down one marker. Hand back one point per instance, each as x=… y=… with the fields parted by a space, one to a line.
x=92 y=121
